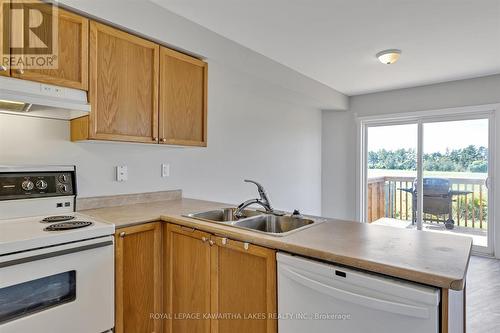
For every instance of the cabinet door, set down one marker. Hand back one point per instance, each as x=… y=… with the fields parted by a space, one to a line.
x=71 y=69
x=245 y=287
x=183 y=99
x=4 y=37
x=138 y=275
x=187 y=280
x=123 y=86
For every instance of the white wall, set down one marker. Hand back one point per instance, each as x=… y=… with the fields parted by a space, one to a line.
x=338 y=173
x=340 y=137
x=146 y=18
x=258 y=127
x=339 y=142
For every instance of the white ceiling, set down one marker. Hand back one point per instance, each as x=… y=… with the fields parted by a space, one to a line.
x=335 y=41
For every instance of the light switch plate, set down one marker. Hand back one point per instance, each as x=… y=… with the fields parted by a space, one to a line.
x=165 y=170
x=121 y=173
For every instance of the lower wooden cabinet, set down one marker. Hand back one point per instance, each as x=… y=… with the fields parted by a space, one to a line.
x=214 y=284
x=243 y=286
x=138 y=283
x=187 y=258
x=175 y=279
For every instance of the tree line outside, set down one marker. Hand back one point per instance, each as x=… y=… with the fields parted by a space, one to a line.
x=469 y=159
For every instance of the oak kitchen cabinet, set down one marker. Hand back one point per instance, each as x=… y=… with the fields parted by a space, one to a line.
x=183 y=99
x=4 y=65
x=123 y=88
x=139 y=91
x=142 y=92
x=206 y=274
x=244 y=284
x=72 y=47
x=187 y=265
x=138 y=272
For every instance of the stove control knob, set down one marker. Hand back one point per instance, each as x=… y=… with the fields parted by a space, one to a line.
x=63 y=188
x=41 y=184
x=63 y=178
x=27 y=185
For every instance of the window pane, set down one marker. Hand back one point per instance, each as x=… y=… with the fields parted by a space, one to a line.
x=392 y=169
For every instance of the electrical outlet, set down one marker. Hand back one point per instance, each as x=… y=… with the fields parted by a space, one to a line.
x=165 y=170
x=121 y=173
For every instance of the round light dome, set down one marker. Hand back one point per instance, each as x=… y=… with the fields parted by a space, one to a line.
x=389 y=56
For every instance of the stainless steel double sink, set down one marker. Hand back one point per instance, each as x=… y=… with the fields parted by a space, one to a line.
x=269 y=224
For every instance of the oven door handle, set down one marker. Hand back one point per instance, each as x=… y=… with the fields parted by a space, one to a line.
x=55 y=253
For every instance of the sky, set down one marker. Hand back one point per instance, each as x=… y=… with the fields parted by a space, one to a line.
x=437 y=136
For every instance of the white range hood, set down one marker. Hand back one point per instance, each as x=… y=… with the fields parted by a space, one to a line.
x=28 y=98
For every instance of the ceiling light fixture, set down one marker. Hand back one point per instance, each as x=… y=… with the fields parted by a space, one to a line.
x=389 y=57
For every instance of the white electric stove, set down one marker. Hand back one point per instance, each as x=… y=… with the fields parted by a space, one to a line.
x=56 y=265
x=22 y=234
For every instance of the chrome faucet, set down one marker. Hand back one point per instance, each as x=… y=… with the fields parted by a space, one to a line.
x=263 y=201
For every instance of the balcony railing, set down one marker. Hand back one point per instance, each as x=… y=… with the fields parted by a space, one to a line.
x=385 y=199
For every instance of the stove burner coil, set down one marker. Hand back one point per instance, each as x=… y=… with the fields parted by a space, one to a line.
x=68 y=225
x=57 y=218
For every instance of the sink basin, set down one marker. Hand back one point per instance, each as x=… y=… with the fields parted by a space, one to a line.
x=268 y=224
x=223 y=215
x=274 y=225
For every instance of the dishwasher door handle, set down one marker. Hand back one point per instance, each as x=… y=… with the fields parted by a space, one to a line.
x=363 y=300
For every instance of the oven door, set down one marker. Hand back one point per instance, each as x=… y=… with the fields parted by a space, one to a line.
x=65 y=288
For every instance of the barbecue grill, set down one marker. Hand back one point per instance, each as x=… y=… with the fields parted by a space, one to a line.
x=438 y=199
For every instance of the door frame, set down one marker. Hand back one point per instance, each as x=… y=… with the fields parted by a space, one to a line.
x=488 y=111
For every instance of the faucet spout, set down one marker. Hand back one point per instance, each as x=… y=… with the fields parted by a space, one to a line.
x=263 y=201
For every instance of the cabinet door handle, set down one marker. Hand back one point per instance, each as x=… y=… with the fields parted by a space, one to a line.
x=223 y=241
x=246 y=246
x=155 y=139
x=204 y=239
x=122 y=234
x=211 y=242
x=163 y=140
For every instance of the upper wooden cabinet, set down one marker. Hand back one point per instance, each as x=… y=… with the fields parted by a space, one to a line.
x=183 y=99
x=72 y=45
x=187 y=258
x=138 y=278
x=123 y=86
x=5 y=34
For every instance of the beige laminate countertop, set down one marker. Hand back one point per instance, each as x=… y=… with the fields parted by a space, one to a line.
x=434 y=259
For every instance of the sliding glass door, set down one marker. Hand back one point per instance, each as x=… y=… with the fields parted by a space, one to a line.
x=455 y=172
x=439 y=164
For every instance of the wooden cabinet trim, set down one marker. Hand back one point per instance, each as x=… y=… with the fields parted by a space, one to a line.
x=79 y=128
x=444 y=310
x=95 y=28
x=122 y=34
x=182 y=56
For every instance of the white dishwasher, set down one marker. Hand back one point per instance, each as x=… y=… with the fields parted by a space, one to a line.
x=318 y=298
